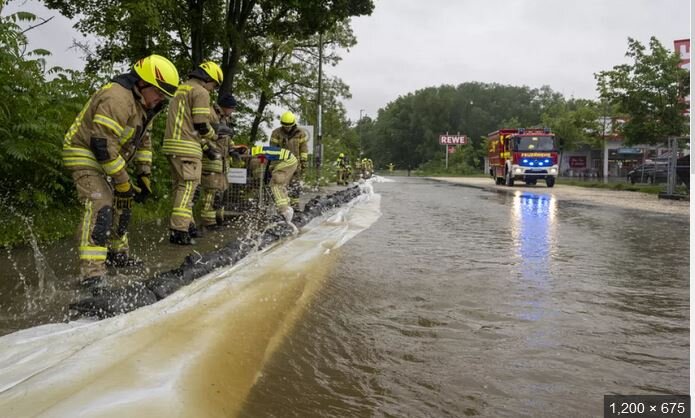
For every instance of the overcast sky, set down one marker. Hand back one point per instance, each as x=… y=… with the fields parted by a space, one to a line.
x=407 y=45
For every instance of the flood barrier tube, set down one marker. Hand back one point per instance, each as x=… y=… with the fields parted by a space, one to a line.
x=112 y=301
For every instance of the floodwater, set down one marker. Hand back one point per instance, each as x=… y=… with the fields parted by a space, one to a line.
x=466 y=302
x=456 y=301
x=37 y=283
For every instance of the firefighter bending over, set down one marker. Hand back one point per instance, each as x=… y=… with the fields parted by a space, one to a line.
x=187 y=137
x=111 y=130
x=295 y=139
x=282 y=166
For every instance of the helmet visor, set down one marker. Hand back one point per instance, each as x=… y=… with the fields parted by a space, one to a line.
x=168 y=89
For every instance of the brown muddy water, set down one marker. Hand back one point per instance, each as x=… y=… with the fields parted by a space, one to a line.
x=465 y=302
x=456 y=302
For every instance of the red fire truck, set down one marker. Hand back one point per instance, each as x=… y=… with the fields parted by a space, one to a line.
x=523 y=154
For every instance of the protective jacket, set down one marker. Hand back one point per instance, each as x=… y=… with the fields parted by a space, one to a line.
x=221 y=143
x=188 y=128
x=296 y=140
x=111 y=130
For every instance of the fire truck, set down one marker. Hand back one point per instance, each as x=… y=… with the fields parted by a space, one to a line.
x=523 y=154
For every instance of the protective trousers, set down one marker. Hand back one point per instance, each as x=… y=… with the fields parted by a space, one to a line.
x=185 y=175
x=101 y=228
x=295 y=190
x=214 y=185
x=281 y=177
x=340 y=176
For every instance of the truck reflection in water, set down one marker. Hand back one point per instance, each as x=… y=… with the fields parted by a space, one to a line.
x=533 y=227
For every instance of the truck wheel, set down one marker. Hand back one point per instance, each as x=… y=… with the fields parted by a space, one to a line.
x=509 y=179
x=550 y=181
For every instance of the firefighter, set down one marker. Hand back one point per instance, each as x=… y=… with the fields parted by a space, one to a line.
x=365 y=169
x=357 y=174
x=187 y=137
x=348 y=171
x=370 y=167
x=391 y=167
x=112 y=130
x=295 y=139
x=214 y=177
x=283 y=165
x=340 y=173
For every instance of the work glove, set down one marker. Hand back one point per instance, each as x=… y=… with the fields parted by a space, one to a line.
x=143 y=190
x=223 y=130
x=123 y=196
x=303 y=164
x=257 y=152
x=211 y=153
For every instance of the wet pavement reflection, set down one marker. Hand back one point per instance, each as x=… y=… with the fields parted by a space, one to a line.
x=465 y=302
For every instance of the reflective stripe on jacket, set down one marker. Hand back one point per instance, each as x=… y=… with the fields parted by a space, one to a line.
x=221 y=144
x=296 y=141
x=115 y=113
x=190 y=105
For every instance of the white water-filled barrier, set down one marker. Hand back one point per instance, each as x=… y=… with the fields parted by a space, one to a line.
x=195 y=353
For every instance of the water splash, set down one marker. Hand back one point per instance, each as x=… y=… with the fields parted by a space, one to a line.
x=46 y=276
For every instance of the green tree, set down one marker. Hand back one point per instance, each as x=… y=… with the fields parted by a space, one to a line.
x=406 y=130
x=650 y=91
x=576 y=123
x=34 y=115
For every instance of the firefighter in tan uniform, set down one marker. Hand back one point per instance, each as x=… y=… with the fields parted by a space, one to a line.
x=295 y=139
x=282 y=166
x=112 y=130
x=214 y=179
x=341 y=175
x=188 y=135
x=357 y=174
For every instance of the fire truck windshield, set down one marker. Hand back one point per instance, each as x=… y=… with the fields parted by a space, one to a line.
x=535 y=143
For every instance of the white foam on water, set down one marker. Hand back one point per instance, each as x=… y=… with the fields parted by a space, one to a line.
x=196 y=353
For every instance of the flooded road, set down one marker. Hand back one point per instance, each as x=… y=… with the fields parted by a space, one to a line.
x=450 y=301
x=469 y=302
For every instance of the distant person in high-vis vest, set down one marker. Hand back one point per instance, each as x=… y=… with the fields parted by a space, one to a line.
x=188 y=135
x=341 y=170
x=111 y=131
x=357 y=174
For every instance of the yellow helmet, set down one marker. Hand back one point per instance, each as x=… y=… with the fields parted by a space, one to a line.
x=287 y=118
x=159 y=72
x=213 y=70
x=341 y=155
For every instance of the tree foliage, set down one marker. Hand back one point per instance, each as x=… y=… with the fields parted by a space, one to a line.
x=650 y=91
x=38 y=104
x=406 y=131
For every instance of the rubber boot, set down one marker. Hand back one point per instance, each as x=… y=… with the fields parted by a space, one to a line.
x=118 y=260
x=288 y=214
x=222 y=222
x=92 y=282
x=179 y=237
x=194 y=232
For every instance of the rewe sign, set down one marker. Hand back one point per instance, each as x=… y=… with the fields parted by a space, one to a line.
x=446 y=139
